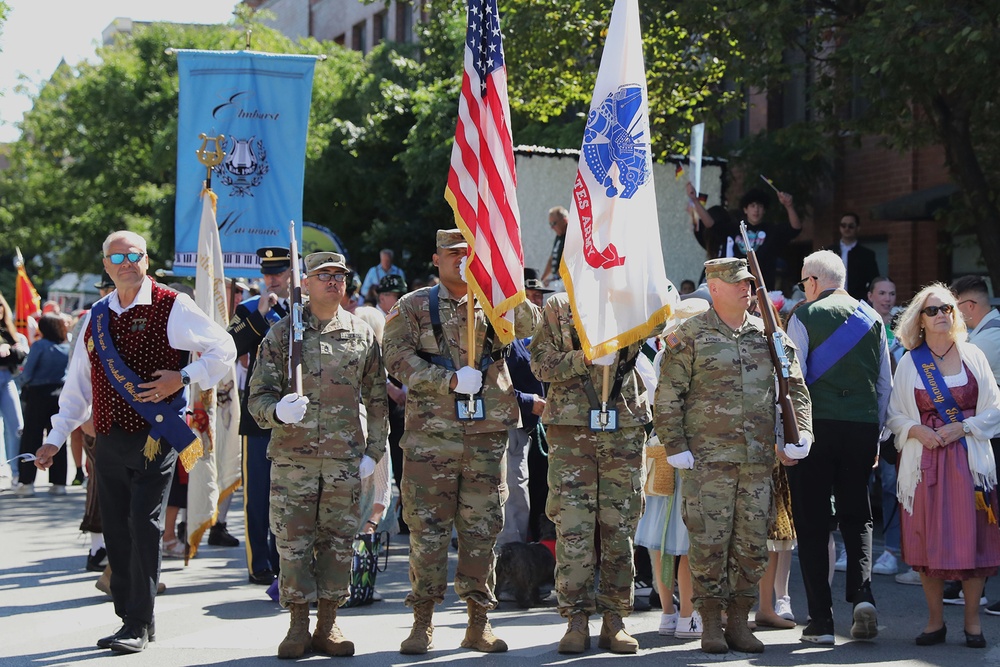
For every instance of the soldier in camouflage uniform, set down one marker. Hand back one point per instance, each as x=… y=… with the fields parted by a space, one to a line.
x=453 y=470
x=595 y=478
x=715 y=414
x=318 y=452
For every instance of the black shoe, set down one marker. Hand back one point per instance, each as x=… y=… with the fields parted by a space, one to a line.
x=993 y=609
x=132 y=640
x=932 y=638
x=975 y=641
x=97 y=562
x=80 y=478
x=819 y=632
x=265 y=578
x=865 y=621
x=953 y=593
x=218 y=536
x=106 y=642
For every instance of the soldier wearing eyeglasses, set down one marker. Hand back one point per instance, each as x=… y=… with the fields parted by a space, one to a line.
x=319 y=450
x=845 y=360
x=139 y=332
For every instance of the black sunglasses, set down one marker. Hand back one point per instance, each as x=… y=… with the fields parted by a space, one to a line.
x=802 y=283
x=932 y=311
x=119 y=257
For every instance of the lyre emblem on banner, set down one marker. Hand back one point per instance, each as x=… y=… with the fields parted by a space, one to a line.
x=244 y=166
x=612 y=139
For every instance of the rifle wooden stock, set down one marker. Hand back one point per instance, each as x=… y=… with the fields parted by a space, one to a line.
x=772 y=333
x=295 y=315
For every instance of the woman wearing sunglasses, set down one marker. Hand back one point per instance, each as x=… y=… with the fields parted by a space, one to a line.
x=944 y=407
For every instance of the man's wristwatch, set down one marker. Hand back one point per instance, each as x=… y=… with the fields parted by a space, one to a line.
x=966 y=427
x=185 y=378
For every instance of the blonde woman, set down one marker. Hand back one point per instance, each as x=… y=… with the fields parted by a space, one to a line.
x=944 y=407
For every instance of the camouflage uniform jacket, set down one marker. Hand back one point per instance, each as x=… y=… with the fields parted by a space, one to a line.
x=341 y=368
x=556 y=358
x=430 y=403
x=716 y=392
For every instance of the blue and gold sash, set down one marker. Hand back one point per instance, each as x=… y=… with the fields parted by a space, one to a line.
x=947 y=408
x=165 y=420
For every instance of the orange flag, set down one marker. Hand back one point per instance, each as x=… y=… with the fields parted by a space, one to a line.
x=27 y=302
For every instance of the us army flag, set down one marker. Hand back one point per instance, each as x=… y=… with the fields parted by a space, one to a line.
x=612 y=264
x=216 y=409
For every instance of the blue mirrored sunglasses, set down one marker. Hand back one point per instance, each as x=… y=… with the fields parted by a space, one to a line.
x=119 y=257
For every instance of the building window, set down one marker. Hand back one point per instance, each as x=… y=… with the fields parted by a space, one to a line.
x=340 y=39
x=380 y=27
x=404 y=21
x=358 y=38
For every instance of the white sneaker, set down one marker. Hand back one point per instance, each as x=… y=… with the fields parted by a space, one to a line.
x=24 y=490
x=689 y=627
x=668 y=624
x=911 y=577
x=57 y=490
x=886 y=564
x=841 y=564
x=783 y=608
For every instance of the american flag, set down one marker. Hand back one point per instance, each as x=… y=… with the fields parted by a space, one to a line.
x=481 y=180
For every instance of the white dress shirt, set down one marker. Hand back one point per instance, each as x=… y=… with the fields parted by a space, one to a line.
x=188 y=328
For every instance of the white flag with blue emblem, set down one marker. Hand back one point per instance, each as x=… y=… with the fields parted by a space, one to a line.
x=612 y=262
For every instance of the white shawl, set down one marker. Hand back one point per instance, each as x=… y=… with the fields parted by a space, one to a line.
x=903 y=414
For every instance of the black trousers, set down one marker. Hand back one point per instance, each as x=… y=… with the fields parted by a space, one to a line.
x=839 y=464
x=40 y=403
x=133 y=494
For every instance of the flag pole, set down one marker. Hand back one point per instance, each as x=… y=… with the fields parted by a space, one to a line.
x=605 y=390
x=471 y=335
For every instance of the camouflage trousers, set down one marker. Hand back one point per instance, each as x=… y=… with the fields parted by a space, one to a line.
x=595 y=487
x=314 y=518
x=726 y=508
x=460 y=480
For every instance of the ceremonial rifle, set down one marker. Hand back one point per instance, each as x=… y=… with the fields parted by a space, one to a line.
x=774 y=344
x=297 y=327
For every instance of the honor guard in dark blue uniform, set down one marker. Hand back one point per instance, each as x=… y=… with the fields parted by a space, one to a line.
x=250 y=323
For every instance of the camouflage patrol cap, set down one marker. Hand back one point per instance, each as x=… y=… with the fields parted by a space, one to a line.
x=451 y=238
x=727 y=269
x=391 y=283
x=325 y=260
x=274 y=259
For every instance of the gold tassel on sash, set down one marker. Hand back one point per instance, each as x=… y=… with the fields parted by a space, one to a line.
x=191 y=454
x=152 y=448
x=188 y=457
x=983 y=506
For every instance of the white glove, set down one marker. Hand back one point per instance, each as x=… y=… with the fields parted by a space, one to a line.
x=470 y=380
x=367 y=466
x=606 y=360
x=291 y=408
x=682 y=461
x=799 y=450
x=461 y=268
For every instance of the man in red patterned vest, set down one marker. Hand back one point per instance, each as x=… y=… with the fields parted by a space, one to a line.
x=129 y=369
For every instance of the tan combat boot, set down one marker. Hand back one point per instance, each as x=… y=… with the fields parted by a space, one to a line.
x=421 y=637
x=479 y=635
x=328 y=639
x=712 y=639
x=577 y=637
x=297 y=640
x=738 y=635
x=613 y=637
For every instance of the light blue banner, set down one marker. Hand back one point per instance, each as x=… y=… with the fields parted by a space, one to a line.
x=258 y=103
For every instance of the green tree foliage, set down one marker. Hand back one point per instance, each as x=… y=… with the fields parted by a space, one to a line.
x=913 y=72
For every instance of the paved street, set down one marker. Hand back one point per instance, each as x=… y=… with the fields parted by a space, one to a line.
x=51 y=614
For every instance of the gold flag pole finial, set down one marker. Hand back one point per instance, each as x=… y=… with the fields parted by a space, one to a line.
x=210 y=158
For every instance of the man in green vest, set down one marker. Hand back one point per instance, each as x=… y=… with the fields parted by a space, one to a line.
x=845 y=360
